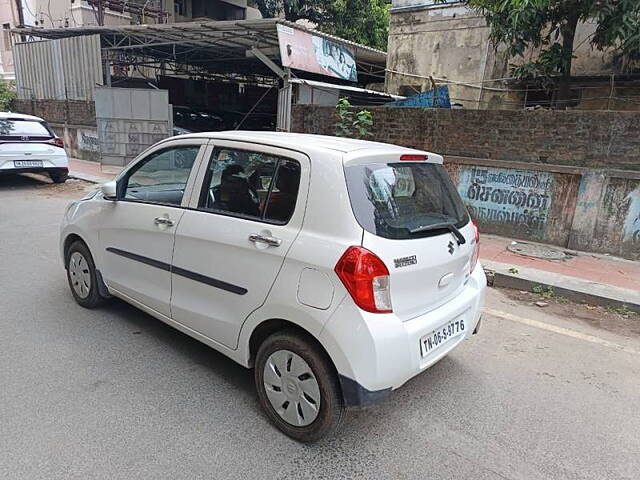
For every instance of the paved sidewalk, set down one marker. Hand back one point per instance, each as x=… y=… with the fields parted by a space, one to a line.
x=92 y=171
x=582 y=276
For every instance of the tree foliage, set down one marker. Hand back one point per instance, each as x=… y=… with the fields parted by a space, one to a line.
x=362 y=21
x=7 y=96
x=550 y=25
x=619 y=28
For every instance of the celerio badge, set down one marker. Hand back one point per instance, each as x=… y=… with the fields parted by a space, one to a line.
x=405 y=261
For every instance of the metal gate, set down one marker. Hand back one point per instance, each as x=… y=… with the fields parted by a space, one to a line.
x=130 y=120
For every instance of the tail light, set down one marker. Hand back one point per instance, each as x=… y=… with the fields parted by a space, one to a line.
x=476 y=248
x=366 y=278
x=56 y=142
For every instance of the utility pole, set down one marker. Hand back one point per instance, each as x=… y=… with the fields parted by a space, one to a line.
x=20 y=13
x=100 y=12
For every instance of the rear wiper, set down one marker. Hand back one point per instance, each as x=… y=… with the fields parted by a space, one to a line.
x=440 y=226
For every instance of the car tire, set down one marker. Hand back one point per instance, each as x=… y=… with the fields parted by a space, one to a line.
x=59 y=177
x=306 y=377
x=82 y=277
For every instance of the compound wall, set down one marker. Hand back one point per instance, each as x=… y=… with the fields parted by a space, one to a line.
x=565 y=178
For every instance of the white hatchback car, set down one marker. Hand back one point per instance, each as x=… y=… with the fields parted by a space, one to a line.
x=338 y=268
x=27 y=144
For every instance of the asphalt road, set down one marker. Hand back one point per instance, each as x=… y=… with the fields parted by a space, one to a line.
x=116 y=394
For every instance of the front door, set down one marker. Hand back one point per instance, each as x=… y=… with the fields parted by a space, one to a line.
x=138 y=230
x=231 y=244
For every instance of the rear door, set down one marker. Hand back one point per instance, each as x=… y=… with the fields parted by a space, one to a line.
x=28 y=144
x=398 y=203
x=231 y=243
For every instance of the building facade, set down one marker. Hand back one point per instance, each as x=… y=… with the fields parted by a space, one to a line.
x=450 y=43
x=79 y=13
x=10 y=17
x=85 y=13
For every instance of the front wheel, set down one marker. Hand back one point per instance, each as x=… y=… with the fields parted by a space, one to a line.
x=298 y=387
x=82 y=277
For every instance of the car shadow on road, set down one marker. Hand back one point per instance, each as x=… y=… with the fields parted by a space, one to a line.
x=23 y=181
x=197 y=352
x=417 y=397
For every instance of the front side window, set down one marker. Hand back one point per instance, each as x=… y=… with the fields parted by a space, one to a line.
x=251 y=185
x=404 y=200
x=162 y=176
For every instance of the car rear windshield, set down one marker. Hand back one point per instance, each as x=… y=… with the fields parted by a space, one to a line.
x=404 y=200
x=23 y=128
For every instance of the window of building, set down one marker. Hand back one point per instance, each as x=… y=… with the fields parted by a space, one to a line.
x=6 y=36
x=179 y=7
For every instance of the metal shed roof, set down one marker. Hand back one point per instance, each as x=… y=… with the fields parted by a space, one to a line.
x=214 y=46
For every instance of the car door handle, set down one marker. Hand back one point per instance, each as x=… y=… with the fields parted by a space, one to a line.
x=271 y=241
x=164 y=221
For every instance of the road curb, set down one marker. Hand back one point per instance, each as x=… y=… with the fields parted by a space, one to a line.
x=87 y=178
x=575 y=289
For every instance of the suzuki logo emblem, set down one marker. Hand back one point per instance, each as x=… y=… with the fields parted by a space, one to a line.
x=451 y=247
x=24 y=138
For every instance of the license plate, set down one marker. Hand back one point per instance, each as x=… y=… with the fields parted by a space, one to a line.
x=27 y=163
x=444 y=334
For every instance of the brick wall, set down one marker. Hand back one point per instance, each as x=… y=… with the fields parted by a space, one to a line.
x=565 y=178
x=72 y=112
x=73 y=120
x=596 y=139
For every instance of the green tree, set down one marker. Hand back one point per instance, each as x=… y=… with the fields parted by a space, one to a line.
x=7 y=96
x=362 y=21
x=550 y=25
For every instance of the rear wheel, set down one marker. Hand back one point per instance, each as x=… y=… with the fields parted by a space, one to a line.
x=298 y=387
x=59 y=177
x=82 y=277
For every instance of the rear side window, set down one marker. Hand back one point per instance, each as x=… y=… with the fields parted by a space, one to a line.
x=401 y=200
x=23 y=128
x=252 y=185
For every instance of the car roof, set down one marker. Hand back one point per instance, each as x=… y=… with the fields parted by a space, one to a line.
x=20 y=116
x=302 y=141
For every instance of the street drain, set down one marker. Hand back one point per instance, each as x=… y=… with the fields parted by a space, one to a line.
x=538 y=251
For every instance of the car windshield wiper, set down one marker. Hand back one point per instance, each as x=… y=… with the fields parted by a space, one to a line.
x=440 y=226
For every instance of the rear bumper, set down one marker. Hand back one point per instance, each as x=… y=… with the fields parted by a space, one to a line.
x=379 y=353
x=355 y=395
x=49 y=161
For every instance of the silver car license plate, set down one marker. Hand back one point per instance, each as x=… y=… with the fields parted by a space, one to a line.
x=27 y=163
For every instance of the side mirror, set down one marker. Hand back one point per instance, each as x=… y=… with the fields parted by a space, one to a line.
x=109 y=190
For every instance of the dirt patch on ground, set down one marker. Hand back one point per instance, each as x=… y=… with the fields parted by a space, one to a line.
x=71 y=188
x=41 y=185
x=620 y=321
